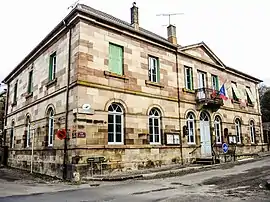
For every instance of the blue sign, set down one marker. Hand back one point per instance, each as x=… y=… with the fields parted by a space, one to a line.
x=225 y=147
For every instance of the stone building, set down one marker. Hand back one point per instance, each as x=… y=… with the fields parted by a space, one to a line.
x=2 y=113
x=127 y=95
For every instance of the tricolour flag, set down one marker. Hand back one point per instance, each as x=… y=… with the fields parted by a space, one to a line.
x=222 y=93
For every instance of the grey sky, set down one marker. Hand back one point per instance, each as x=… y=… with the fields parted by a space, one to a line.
x=237 y=31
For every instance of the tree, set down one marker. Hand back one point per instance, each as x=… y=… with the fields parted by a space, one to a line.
x=264 y=94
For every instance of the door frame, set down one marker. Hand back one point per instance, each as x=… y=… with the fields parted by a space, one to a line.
x=210 y=136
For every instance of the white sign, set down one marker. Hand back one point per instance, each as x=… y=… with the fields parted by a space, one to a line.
x=173 y=139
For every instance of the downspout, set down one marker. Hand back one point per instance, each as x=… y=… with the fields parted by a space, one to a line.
x=259 y=111
x=6 y=111
x=67 y=105
x=179 y=110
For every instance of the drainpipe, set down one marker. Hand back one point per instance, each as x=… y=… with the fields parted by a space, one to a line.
x=179 y=110
x=259 y=110
x=67 y=106
x=6 y=111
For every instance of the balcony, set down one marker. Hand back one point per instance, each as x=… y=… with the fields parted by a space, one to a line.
x=208 y=98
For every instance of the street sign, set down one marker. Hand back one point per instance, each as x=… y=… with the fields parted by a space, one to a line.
x=225 y=147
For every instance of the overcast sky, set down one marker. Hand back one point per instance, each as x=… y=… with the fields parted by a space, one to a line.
x=236 y=31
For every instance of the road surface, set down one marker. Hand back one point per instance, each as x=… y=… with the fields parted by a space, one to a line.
x=244 y=182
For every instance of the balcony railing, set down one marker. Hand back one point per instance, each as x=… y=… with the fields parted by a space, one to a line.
x=208 y=96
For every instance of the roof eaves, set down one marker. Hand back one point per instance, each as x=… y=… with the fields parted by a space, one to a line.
x=244 y=74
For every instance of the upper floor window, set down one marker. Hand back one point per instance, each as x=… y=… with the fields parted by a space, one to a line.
x=51 y=126
x=115 y=124
x=154 y=73
x=154 y=126
x=215 y=85
x=191 y=128
x=30 y=81
x=238 y=131
x=15 y=92
x=52 y=66
x=250 y=98
x=235 y=92
x=188 y=78
x=252 y=132
x=116 y=59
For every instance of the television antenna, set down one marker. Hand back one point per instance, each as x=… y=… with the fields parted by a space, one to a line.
x=73 y=5
x=169 y=15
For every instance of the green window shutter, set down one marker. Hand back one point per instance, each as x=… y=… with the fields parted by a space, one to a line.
x=51 y=69
x=158 y=71
x=191 y=79
x=217 y=84
x=116 y=59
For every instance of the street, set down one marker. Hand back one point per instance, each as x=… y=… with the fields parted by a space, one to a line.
x=245 y=182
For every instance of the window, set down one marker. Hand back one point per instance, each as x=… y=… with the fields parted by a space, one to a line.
x=252 y=132
x=154 y=73
x=12 y=135
x=28 y=131
x=215 y=85
x=191 y=128
x=238 y=131
x=15 y=92
x=51 y=126
x=154 y=126
x=115 y=124
x=116 y=59
x=52 y=66
x=250 y=98
x=188 y=78
x=217 y=126
x=235 y=92
x=30 y=82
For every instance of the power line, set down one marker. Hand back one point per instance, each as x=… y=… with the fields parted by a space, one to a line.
x=169 y=15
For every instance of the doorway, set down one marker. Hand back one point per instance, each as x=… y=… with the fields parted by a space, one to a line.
x=206 y=149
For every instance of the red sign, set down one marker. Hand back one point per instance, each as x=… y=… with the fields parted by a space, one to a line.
x=61 y=134
x=81 y=134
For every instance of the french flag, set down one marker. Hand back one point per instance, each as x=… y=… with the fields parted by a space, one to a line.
x=222 y=93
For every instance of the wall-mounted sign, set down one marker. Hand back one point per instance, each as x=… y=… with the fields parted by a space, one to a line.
x=81 y=135
x=172 y=138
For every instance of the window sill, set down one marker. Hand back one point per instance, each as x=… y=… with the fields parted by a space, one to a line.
x=115 y=143
x=192 y=145
x=110 y=74
x=29 y=95
x=51 y=83
x=250 y=105
x=188 y=90
x=155 y=84
x=235 y=102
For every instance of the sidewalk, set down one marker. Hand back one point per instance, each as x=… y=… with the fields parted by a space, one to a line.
x=169 y=170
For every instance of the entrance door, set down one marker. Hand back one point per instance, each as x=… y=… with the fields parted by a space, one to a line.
x=201 y=84
x=206 y=149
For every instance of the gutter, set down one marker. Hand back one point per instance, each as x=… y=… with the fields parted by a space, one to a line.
x=65 y=159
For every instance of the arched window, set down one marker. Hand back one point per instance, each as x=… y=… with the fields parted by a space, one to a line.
x=204 y=116
x=115 y=124
x=50 y=126
x=252 y=132
x=154 y=126
x=238 y=131
x=217 y=126
x=28 y=131
x=12 y=135
x=191 y=128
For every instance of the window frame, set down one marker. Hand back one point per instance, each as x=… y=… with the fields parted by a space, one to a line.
x=114 y=113
x=15 y=92
x=191 y=132
x=52 y=66
x=153 y=78
x=30 y=82
x=153 y=117
x=50 y=127
x=215 y=84
x=188 y=78
x=218 y=122
x=252 y=132
x=12 y=134
x=235 y=93
x=238 y=131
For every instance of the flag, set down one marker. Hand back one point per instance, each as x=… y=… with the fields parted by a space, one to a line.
x=222 y=93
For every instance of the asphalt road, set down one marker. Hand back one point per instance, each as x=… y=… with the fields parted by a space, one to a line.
x=244 y=182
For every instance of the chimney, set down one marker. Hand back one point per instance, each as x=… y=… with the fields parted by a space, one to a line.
x=171 y=30
x=135 y=16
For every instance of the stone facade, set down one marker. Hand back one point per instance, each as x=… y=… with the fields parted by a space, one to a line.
x=86 y=58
